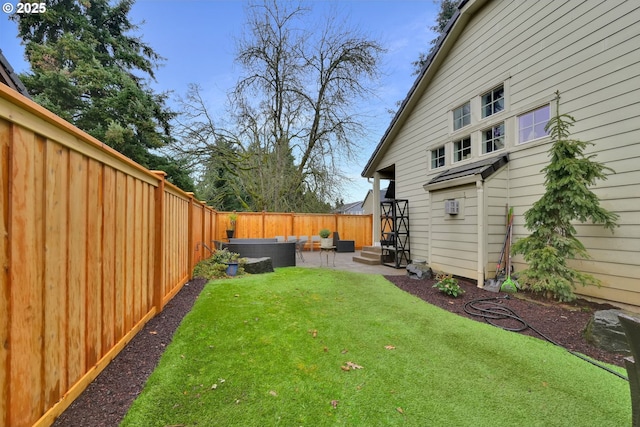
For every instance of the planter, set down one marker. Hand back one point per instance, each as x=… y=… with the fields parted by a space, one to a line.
x=326 y=242
x=232 y=268
x=230 y=234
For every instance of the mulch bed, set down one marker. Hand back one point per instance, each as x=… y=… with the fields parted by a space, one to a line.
x=106 y=401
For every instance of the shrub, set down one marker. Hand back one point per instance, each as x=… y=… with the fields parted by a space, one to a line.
x=447 y=284
x=215 y=267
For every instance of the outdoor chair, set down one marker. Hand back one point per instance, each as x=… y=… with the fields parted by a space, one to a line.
x=292 y=239
x=314 y=239
x=300 y=246
x=343 y=245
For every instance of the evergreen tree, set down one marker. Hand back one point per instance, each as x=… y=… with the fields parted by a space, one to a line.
x=87 y=68
x=567 y=198
x=447 y=9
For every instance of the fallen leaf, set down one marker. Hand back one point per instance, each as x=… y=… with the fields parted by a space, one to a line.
x=221 y=380
x=313 y=332
x=344 y=368
x=389 y=347
x=326 y=349
x=215 y=386
x=399 y=409
x=153 y=332
x=182 y=355
x=344 y=351
x=236 y=295
x=353 y=365
x=451 y=302
x=273 y=393
x=334 y=403
x=544 y=383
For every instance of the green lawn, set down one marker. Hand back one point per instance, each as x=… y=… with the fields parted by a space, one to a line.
x=270 y=350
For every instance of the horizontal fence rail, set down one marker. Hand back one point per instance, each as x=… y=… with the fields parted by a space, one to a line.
x=92 y=246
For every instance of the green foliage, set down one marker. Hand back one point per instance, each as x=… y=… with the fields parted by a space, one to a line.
x=215 y=266
x=87 y=68
x=448 y=285
x=447 y=10
x=324 y=233
x=567 y=198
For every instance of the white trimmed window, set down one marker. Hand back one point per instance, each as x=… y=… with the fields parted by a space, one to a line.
x=462 y=116
x=462 y=149
x=437 y=158
x=531 y=125
x=493 y=102
x=493 y=139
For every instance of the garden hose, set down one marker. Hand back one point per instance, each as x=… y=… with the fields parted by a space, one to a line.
x=493 y=312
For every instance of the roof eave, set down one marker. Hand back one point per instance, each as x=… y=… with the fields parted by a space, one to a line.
x=466 y=8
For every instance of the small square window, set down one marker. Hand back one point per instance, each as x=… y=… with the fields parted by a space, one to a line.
x=531 y=125
x=493 y=102
x=462 y=116
x=437 y=158
x=493 y=139
x=462 y=149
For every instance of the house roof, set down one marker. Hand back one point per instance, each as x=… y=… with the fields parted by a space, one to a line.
x=9 y=77
x=483 y=168
x=348 y=207
x=466 y=8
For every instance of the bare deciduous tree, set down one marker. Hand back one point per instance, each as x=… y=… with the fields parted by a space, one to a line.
x=293 y=109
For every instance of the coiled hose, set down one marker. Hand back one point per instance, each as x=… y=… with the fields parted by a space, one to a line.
x=493 y=313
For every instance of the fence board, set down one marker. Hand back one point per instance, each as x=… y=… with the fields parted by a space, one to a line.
x=55 y=298
x=109 y=256
x=5 y=302
x=26 y=314
x=76 y=266
x=93 y=242
x=129 y=254
x=120 y=245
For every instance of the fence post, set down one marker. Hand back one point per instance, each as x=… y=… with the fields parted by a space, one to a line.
x=158 y=251
x=631 y=327
x=191 y=243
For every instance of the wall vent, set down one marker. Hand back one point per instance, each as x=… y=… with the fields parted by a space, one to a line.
x=451 y=207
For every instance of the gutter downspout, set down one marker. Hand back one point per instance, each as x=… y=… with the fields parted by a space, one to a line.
x=481 y=234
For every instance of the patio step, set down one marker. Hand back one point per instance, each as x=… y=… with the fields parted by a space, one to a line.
x=370 y=255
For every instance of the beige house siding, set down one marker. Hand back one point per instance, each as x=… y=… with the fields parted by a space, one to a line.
x=454 y=239
x=496 y=199
x=589 y=52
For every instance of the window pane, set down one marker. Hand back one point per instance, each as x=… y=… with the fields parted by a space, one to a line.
x=462 y=116
x=532 y=124
x=437 y=158
x=526 y=120
x=542 y=115
x=462 y=149
x=539 y=131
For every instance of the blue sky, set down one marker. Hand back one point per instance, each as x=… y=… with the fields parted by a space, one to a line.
x=196 y=37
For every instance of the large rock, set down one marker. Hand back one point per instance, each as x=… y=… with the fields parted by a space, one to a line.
x=419 y=270
x=258 y=265
x=605 y=331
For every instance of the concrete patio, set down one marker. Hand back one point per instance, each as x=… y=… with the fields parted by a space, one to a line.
x=344 y=261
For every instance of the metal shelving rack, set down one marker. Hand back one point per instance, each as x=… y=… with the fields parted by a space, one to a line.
x=395 y=232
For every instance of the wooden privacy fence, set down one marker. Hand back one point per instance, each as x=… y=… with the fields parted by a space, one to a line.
x=269 y=224
x=92 y=246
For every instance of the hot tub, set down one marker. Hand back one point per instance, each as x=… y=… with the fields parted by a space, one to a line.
x=282 y=254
